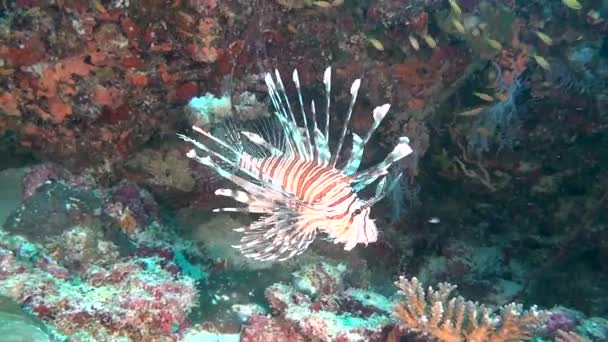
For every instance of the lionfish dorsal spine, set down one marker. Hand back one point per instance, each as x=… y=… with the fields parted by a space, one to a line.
x=298 y=140
x=280 y=114
x=354 y=91
x=327 y=82
x=308 y=142
x=356 y=154
x=321 y=145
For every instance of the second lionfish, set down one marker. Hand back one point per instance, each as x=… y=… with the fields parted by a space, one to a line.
x=289 y=175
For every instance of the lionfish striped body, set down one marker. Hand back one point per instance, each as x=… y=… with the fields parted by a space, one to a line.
x=289 y=175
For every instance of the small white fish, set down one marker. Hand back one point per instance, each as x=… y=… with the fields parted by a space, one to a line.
x=414 y=42
x=472 y=112
x=484 y=96
x=434 y=220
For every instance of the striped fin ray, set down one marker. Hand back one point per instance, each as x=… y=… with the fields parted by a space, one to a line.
x=362 y=179
x=260 y=141
x=273 y=196
x=327 y=82
x=321 y=144
x=354 y=91
x=294 y=130
x=282 y=241
x=281 y=115
x=269 y=134
x=353 y=163
x=280 y=101
x=382 y=189
x=308 y=141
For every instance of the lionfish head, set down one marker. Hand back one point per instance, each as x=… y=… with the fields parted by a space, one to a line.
x=362 y=228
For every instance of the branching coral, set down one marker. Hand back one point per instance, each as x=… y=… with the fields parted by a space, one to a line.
x=454 y=319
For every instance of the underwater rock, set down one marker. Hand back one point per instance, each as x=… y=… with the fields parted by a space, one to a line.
x=135 y=298
x=54 y=207
x=79 y=248
x=320 y=278
x=163 y=170
x=263 y=329
x=333 y=313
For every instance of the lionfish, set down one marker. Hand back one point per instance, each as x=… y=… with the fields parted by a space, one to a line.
x=288 y=175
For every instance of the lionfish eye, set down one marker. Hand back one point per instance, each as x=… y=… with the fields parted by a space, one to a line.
x=357 y=212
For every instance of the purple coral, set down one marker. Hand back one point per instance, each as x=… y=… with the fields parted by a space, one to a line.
x=141 y=204
x=42 y=173
x=560 y=319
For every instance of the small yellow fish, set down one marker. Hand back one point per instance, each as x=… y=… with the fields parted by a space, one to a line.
x=574 y=4
x=544 y=38
x=6 y=72
x=376 y=44
x=485 y=132
x=472 y=112
x=99 y=7
x=323 y=4
x=540 y=60
x=458 y=25
x=414 y=42
x=484 y=96
x=455 y=7
x=494 y=44
x=429 y=41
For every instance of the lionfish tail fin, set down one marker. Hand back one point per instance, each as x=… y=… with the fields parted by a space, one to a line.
x=276 y=237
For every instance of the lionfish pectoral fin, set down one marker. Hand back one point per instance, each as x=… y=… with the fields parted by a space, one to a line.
x=352 y=165
x=366 y=177
x=258 y=140
x=382 y=189
x=275 y=237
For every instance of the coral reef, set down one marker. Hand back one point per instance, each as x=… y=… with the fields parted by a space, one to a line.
x=348 y=315
x=452 y=319
x=504 y=102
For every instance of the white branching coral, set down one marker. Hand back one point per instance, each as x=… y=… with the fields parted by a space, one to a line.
x=454 y=319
